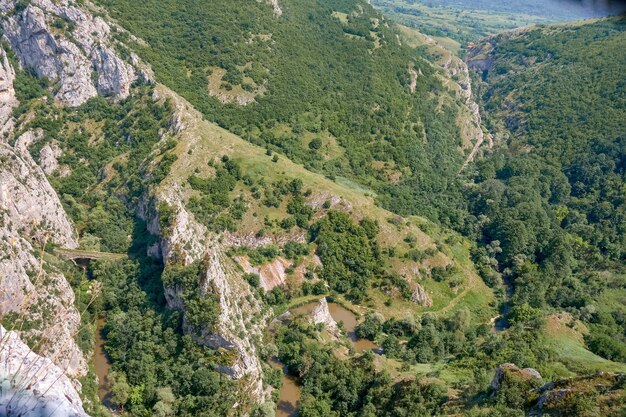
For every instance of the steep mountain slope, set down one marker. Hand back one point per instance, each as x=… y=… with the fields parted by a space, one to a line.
x=103 y=157
x=37 y=386
x=329 y=84
x=186 y=239
x=39 y=300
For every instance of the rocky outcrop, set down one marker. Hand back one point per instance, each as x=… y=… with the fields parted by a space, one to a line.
x=31 y=217
x=526 y=374
x=7 y=93
x=278 y=12
x=184 y=240
x=67 y=45
x=321 y=315
x=604 y=387
x=413 y=75
x=48 y=158
x=480 y=56
x=234 y=332
x=31 y=385
x=274 y=274
x=420 y=296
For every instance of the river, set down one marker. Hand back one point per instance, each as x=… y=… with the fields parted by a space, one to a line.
x=102 y=366
x=290 y=391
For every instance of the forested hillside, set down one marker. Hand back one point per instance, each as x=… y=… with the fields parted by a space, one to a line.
x=327 y=83
x=549 y=201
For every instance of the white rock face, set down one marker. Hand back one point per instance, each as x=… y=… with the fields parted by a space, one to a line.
x=69 y=55
x=48 y=158
x=31 y=215
x=278 y=12
x=321 y=315
x=7 y=93
x=33 y=386
x=420 y=296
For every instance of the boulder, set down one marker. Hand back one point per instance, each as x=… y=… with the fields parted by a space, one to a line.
x=527 y=374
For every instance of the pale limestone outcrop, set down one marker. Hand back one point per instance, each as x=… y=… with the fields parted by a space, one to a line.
x=31 y=216
x=29 y=200
x=272 y=274
x=7 y=94
x=48 y=158
x=278 y=12
x=420 y=296
x=68 y=45
x=31 y=385
x=321 y=315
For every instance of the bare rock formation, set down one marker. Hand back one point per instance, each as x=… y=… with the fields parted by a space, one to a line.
x=31 y=385
x=321 y=315
x=527 y=374
x=420 y=296
x=278 y=12
x=272 y=274
x=31 y=216
x=68 y=45
x=48 y=158
x=7 y=93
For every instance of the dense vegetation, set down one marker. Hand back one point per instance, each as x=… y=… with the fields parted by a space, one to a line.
x=549 y=203
x=336 y=89
x=363 y=385
x=545 y=210
x=148 y=351
x=348 y=252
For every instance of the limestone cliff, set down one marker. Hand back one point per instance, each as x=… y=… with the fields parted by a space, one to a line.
x=7 y=93
x=31 y=385
x=31 y=217
x=321 y=315
x=67 y=44
x=241 y=319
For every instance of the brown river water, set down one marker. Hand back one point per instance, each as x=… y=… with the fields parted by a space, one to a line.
x=102 y=366
x=290 y=390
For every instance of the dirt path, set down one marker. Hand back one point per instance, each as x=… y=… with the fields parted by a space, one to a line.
x=472 y=154
x=472 y=284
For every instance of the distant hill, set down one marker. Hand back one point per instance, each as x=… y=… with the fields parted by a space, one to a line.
x=470 y=20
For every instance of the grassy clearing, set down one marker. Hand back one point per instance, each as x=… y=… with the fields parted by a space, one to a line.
x=565 y=336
